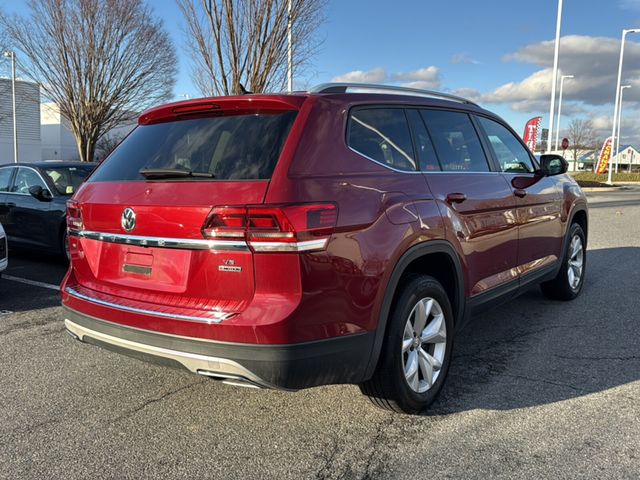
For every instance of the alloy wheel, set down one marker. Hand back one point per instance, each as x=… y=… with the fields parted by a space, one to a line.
x=575 y=262
x=424 y=344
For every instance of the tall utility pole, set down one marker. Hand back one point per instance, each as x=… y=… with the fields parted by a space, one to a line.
x=289 y=51
x=616 y=105
x=12 y=56
x=555 y=76
x=562 y=79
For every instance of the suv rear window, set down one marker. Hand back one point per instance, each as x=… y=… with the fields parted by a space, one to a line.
x=238 y=147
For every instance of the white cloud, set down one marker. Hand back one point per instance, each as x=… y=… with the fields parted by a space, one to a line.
x=377 y=75
x=463 y=58
x=427 y=77
x=592 y=60
x=629 y=4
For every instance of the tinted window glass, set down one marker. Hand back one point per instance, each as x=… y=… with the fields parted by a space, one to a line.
x=426 y=154
x=237 y=147
x=5 y=176
x=512 y=156
x=456 y=141
x=382 y=134
x=26 y=178
x=68 y=179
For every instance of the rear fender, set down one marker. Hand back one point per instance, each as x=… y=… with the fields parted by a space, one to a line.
x=414 y=253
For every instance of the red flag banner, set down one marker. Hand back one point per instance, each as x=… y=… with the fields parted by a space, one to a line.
x=531 y=130
x=605 y=156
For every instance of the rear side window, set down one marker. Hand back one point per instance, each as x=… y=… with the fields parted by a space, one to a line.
x=382 y=134
x=238 y=147
x=512 y=156
x=456 y=141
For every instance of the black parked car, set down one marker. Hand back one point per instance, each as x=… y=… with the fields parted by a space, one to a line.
x=33 y=200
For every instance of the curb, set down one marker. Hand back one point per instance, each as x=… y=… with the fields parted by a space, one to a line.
x=599 y=189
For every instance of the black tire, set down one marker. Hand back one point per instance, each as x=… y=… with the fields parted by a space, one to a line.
x=64 y=244
x=388 y=388
x=560 y=288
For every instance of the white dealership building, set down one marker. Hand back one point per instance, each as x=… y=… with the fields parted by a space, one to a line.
x=28 y=121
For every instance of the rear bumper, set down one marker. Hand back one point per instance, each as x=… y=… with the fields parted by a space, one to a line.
x=288 y=367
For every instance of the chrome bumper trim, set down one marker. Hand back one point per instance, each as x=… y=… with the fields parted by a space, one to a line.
x=201 y=364
x=162 y=242
x=217 y=317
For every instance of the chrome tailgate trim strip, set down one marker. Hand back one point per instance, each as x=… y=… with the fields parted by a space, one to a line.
x=217 y=317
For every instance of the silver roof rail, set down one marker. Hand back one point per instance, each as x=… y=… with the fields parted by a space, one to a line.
x=388 y=89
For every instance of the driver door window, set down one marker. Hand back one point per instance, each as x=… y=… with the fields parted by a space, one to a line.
x=25 y=179
x=511 y=154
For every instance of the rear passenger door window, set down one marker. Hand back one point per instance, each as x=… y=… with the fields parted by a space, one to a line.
x=511 y=154
x=382 y=135
x=456 y=141
x=424 y=147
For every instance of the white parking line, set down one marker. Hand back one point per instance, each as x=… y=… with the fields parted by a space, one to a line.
x=31 y=282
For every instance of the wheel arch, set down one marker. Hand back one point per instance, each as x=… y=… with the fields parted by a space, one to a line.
x=580 y=216
x=436 y=258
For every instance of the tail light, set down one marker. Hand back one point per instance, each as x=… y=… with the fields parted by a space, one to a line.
x=288 y=228
x=74 y=216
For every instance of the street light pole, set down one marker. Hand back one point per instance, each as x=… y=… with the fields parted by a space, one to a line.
x=12 y=56
x=617 y=102
x=555 y=76
x=289 y=51
x=622 y=89
x=562 y=79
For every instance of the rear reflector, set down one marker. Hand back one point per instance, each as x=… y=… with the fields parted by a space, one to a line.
x=284 y=228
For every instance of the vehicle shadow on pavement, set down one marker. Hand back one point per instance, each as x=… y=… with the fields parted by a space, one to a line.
x=17 y=296
x=534 y=351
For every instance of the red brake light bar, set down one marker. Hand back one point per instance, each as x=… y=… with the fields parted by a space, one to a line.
x=288 y=228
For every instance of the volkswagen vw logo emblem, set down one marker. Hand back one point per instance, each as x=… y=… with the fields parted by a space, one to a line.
x=128 y=220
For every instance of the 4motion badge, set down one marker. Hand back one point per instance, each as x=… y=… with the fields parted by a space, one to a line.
x=229 y=266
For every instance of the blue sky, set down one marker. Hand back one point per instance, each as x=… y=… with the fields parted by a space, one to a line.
x=492 y=50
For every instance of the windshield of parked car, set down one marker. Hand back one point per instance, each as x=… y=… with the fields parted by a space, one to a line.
x=68 y=179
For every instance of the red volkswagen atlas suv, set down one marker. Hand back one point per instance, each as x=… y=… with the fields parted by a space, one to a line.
x=339 y=235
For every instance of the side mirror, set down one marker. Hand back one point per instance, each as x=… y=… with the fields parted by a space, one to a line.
x=553 y=165
x=40 y=193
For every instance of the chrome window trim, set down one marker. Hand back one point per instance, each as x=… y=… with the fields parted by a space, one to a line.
x=217 y=316
x=162 y=242
x=425 y=172
x=410 y=172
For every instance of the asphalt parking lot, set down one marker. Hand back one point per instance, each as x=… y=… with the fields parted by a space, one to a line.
x=537 y=389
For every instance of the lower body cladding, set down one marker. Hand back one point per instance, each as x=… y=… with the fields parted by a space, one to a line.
x=285 y=367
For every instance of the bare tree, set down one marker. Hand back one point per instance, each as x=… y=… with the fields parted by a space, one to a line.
x=107 y=144
x=582 y=136
x=243 y=43
x=99 y=60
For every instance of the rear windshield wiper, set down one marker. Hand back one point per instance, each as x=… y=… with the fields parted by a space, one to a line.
x=152 y=173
